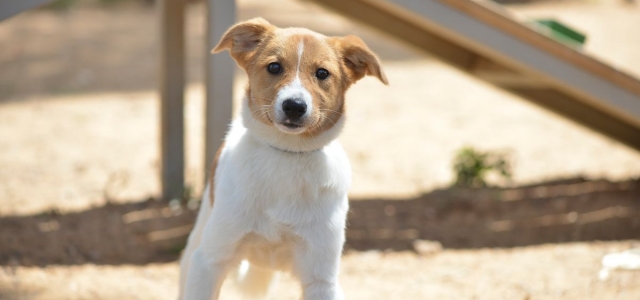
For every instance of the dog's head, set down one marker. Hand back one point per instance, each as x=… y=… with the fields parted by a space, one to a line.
x=297 y=78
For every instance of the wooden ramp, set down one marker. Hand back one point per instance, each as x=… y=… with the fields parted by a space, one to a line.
x=484 y=41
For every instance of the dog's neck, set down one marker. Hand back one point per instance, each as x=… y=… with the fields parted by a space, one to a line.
x=289 y=143
x=294 y=152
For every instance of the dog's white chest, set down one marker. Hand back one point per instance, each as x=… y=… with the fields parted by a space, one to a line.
x=274 y=197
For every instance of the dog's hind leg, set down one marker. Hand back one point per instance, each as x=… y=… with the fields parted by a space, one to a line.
x=254 y=282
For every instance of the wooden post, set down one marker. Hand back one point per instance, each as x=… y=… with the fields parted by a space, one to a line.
x=172 y=68
x=219 y=73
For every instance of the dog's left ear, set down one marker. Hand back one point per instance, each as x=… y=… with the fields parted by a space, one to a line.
x=358 y=58
x=243 y=38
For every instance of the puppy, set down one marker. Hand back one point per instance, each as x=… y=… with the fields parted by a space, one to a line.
x=277 y=198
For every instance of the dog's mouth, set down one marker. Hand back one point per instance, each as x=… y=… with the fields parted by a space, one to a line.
x=288 y=126
x=291 y=125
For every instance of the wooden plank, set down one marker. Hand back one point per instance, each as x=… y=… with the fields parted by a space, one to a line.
x=219 y=74
x=172 y=77
x=490 y=13
x=502 y=76
x=500 y=46
x=9 y=8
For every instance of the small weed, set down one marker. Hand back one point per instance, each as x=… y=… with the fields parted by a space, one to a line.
x=472 y=167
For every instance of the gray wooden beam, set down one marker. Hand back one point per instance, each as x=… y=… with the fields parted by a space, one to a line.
x=172 y=78
x=9 y=8
x=219 y=73
x=502 y=76
x=493 y=35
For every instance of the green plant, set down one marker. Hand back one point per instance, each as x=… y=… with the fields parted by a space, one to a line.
x=472 y=167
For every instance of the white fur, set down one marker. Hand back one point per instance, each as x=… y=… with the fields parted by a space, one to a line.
x=280 y=211
x=293 y=90
x=300 y=50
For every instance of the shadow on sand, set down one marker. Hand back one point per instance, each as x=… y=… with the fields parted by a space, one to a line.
x=150 y=231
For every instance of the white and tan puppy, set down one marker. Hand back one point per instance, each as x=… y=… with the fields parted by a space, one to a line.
x=278 y=194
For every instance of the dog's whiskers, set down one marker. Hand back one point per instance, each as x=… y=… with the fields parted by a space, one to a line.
x=331 y=110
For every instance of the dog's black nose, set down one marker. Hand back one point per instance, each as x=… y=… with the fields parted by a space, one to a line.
x=294 y=108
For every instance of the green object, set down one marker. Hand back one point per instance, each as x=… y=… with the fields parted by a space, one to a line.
x=471 y=167
x=560 y=32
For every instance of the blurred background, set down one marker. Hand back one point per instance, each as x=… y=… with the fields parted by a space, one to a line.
x=460 y=190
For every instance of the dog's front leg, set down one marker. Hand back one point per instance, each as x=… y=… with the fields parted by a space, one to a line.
x=317 y=261
x=204 y=277
x=211 y=261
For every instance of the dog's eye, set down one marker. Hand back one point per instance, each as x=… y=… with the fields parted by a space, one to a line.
x=322 y=74
x=274 y=68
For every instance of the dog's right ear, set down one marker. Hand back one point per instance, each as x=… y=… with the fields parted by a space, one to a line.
x=243 y=38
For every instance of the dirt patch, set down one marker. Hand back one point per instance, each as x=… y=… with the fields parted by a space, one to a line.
x=151 y=231
x=554 y=212
x=131 y=233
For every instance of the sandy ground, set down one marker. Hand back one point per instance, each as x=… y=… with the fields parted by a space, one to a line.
x=568 y=271
x=78 y=123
